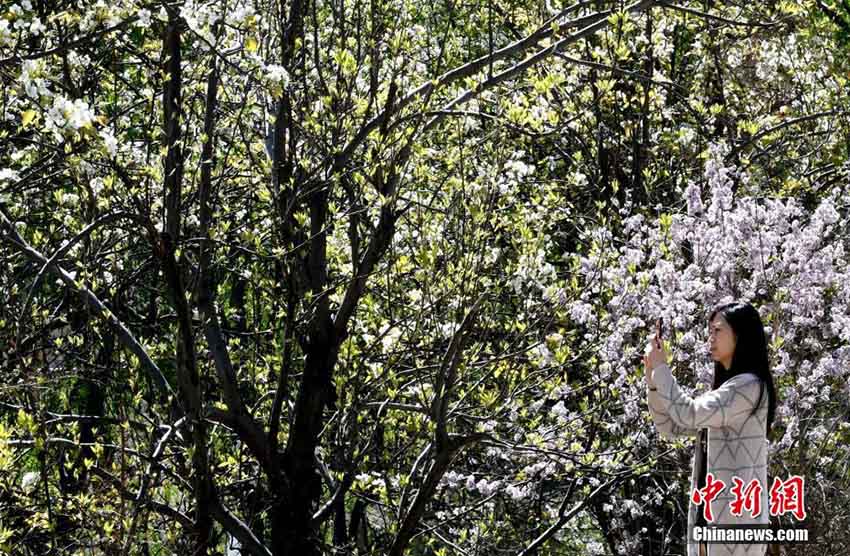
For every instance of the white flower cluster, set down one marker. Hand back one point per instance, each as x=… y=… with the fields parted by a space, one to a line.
x=662 y=42
x=144 y=20
x=470 y=123
x=7 y=174
x=776 y=54
x=541 y=112
x=240 y=14
x=29 y=480
x=581 y=312
x=390 y=338
x=555 y=294
x=67 y=115
x=20 y=18
x=686 y=136
x=275 y=73
x=452 y=479
x=720 y=181
x=32 y=80
x=544 y=356
x=448 y=329
x=101 y=13
x=561 y=411
x=200 y=18
x=371 y=479
x=694 y=198
x=5 y=32
x=109 y=141
x=533 y=270
x=518 y=492
x=483 y=486
x=515 y=172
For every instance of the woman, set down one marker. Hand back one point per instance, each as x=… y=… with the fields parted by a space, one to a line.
x=731 y=422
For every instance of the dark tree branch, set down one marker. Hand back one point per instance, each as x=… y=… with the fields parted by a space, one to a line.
x=446 y=445
x=447 y=373
x=596 y=22
x=60 y=252
x=158 y=507
x=563 y=518
x=283 y=378
x=787 y=123
x=126 y=337
x=172 y=108
x=591 y=22
x=704 y=15
x=350 y=474
x=65 y=47
x=188 y=377
x=246 y=427
x=236 y=527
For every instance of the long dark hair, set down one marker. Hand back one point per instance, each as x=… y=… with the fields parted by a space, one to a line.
x=750 y=354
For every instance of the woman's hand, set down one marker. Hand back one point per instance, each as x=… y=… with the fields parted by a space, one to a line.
x=654 y=355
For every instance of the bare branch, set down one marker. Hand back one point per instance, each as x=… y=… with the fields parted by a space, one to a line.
x=126 y=337
x=784 y=124
x=704 y=15
x=563 y=518
x=594 y=22
x=59 y=253
x=158 y=507
x=239 y=529
x=599 y=21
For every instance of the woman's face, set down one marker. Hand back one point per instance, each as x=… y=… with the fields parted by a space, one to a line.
x=721 y=340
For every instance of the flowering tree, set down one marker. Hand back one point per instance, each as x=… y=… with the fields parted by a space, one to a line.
x=789 y=262
x=198 y=358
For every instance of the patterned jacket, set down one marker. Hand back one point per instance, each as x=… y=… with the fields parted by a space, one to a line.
x=737 y=446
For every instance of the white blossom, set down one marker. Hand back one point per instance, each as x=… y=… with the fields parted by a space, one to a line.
x=7 y=174
x=37 y=27
x=693 y=196
x=109 y=141
x=29 y=480
x=67 y=115
x=277 y=74
x=144 y=18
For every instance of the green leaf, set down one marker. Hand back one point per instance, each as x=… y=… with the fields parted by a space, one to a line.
x=264 y=194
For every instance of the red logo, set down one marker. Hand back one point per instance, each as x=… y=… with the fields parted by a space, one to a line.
x=748 y=498
x=706 y=494
x=787 y=496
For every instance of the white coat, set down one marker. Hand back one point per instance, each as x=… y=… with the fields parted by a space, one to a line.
x=737 y=445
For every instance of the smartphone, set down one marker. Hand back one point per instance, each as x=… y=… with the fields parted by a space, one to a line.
x=659 y=327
